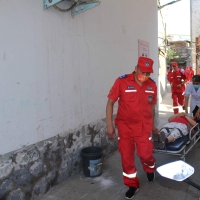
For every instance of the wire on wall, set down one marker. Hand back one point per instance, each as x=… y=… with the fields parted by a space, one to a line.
x=65 y=10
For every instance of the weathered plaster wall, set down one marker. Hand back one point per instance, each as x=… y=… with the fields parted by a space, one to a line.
x=33 y=170
x=56 y=72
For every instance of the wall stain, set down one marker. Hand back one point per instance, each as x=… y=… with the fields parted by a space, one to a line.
x=78 y=133
x=52 y=161
x=93 y=134
x=70 y=140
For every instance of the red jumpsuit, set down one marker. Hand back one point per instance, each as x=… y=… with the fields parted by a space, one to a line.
x=187 y=75
x=176 y=78
x=134 y=122
x=191 y=74
x=169 y=75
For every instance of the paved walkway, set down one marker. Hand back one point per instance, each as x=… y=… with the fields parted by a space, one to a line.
x=109 y=186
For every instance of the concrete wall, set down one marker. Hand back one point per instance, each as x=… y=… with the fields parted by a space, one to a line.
x=56 y=72
x=161 y=55
x=195 y=29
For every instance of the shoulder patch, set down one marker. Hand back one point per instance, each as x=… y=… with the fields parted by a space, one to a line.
x=149 y=88
x=123 y=76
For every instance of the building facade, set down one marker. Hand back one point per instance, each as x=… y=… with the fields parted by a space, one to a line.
x=181 y=52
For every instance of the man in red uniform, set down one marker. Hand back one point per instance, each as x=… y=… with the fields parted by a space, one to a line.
x=177 y=82
x=187 y=75
x=191 y=74
x=136 y=94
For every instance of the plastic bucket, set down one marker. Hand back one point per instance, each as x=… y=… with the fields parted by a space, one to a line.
x=92 y=161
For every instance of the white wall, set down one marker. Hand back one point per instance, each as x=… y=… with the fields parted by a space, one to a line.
x=195 y=30
x=56 y=71
x=162 y=58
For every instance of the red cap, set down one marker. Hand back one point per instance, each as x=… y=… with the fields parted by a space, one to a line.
x=190 y=67
x=174 y=64
x=145 y=64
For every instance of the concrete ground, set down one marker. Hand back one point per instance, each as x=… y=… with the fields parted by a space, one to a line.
x=109 y=185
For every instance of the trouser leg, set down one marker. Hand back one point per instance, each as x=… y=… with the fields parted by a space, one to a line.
x=180 y=98
x=127 y=148
x=176 y=133
x=175 y=102
x=144 y=146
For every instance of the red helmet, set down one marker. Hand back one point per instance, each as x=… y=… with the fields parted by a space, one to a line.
x=174 y=64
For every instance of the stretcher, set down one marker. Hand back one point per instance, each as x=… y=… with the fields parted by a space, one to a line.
x=183 y=145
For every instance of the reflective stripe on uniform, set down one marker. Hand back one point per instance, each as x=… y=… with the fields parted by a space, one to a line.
x=150 y=166
x=130 y=90
x=130 y=175
x=147 y=91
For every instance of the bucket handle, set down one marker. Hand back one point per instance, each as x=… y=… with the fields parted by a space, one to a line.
x=95 y=168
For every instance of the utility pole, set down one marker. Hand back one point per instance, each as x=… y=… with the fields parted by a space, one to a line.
x=165 y=39
x=168 y=4
x=191 y=44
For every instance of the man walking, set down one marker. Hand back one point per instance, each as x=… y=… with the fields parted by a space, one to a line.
x=177 y=81
x=136 y=94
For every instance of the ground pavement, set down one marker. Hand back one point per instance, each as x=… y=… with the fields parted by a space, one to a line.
x=109 y=185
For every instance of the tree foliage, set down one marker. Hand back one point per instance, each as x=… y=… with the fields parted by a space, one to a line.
x=174 y=56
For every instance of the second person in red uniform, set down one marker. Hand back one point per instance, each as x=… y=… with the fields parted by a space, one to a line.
x=187 y=75
x=136 y=94
x=177 y=82
x=191 y=73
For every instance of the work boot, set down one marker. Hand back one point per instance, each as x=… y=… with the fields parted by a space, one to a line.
x=131 y=192
x=151 y=176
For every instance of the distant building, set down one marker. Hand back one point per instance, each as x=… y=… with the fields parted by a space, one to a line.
x=181 y=51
